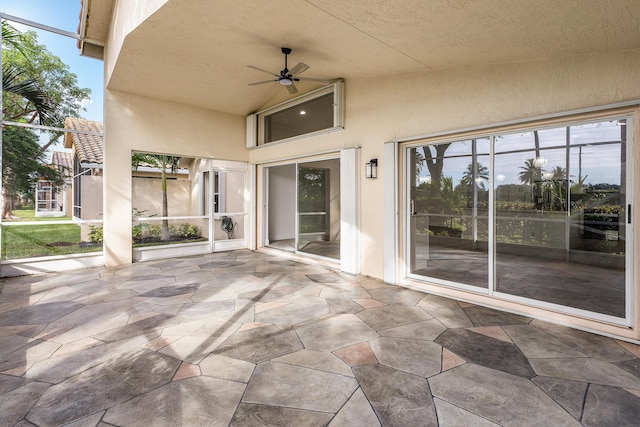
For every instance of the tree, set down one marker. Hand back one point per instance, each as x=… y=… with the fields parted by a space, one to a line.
x=162 y=162
x=37 y=87
x=531 y=172
x=23 y=163
x=482 y=172
x=435 y=160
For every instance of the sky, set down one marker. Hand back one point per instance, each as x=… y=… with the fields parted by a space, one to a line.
x=64 y=15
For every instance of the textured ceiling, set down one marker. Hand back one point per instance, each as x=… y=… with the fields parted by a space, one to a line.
x=196 y=51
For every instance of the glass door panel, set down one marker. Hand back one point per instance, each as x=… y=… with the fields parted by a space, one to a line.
x=318 y=201
x=559 y=216
x=229 y=208
x=448 y=207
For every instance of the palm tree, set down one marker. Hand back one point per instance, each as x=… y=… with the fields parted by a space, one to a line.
x=162 y=162
x=468 y=175
x=14 y=83
x=530 y=173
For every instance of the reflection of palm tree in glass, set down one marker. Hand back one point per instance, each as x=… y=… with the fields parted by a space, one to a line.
x=530 y=173
x=481 y=175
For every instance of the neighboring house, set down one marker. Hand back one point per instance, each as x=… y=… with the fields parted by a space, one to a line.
x=51 y=200
x=86 y=141
x=87 y=150
x=444 y=102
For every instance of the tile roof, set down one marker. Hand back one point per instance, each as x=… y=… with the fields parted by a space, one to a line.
x=90 y=145
x=63 y=159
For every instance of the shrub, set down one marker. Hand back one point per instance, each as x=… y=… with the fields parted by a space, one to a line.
x=186 y=231
x=96 y=234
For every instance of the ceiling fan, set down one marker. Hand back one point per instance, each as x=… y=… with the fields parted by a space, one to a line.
x=287 y=77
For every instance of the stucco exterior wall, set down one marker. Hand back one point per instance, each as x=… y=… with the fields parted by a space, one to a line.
x=134 y=123
x=387 y=108
x=128 y=15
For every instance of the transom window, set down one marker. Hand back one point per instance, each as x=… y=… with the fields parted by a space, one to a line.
x=318 y=112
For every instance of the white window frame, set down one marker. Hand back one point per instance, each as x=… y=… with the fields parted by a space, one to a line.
x=255 y=122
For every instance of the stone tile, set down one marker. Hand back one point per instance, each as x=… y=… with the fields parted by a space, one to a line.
x=446 y=311
x=451 y=360
x=592 y=345
x=103 y=386
x=492 y=331
x=391 y=316
x=227 y=368
x=451 y=416
x=186 y=370
x=33 y=352
x=15 y=404
x=38 y=314
x=421 y=358
x=333 y=333
x=344 y=292
x=357 y=411
x=486 y=351
x=90 y=421
x=319 y=360
x=192 y=349
x=8 y=383
x=398 y=398
x=610 y=406
x=60 y=367
x=208 y=327
x=427 y=330
x=569 y=394
x=326 y=278
x=150 y=327
x=632 y=366
x=296 y=387
x=484 y=316
x=357 y=354
x=292 y=314
x=586 y=370
x=343 y=305
x=160 y=342
x=252 y=415
x=539 y=345
x=396 y=295
x=498 y=397
x=194 y=401
x=258 y=345
x=368 y=302
x=252 y=325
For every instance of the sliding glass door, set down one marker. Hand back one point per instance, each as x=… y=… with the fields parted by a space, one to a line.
x=550 y=230
x=449 y=204
x=304 y=208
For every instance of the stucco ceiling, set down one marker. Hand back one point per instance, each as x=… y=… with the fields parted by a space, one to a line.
x=197 y=51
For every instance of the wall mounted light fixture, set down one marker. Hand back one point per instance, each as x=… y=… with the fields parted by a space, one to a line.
x=371 y=169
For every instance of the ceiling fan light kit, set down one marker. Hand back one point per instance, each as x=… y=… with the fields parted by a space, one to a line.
x=287 y=77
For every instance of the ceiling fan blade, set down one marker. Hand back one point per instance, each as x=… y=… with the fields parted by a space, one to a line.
x=309 y=79
x=299 y=69
x=264 y=71
x=263 y=82
x=292 y=88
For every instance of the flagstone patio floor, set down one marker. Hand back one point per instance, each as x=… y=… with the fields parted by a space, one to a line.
x=248 y=339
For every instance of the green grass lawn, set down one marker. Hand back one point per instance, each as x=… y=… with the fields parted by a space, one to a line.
x=25 y=241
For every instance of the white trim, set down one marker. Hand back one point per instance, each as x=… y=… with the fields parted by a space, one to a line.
x=149 y=253
x=391 y=212
x=337 y=88
x=523 y=121
x=350 y=211
x=39 y=26
x=52 y=264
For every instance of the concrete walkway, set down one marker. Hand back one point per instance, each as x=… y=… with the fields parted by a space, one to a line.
x=248 y=339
